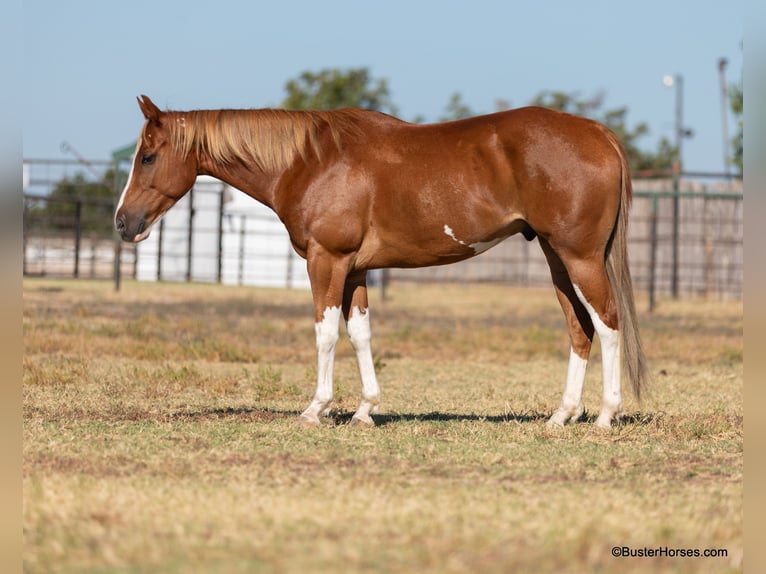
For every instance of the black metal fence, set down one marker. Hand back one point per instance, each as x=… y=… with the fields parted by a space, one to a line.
x=66 y=237
x=701 y=252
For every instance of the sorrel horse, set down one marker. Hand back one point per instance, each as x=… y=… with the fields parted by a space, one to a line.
x=360 y=190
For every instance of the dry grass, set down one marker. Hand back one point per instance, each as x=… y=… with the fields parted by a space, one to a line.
x=160 y=436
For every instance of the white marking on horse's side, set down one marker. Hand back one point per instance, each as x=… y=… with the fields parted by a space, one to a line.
x=359 y=332
x=571 y=407
x=326 y=337
x=478 y=247
x=610 y=364
x=127 y=184
x=448 y=231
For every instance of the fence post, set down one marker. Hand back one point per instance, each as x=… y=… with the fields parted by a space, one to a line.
x=159 y=249
x=709 y=250
x=653 y=251
x=24 y=225
x=290 y=255
x=77 y=236
x=676 y=217
x=117 y=264
x=117 y=181
x=241 y=263
x=219 y=270
x=190 y=238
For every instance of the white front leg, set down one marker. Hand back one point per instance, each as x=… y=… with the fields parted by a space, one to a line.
x=571 y=407
x=327 y=337
x=361 y=335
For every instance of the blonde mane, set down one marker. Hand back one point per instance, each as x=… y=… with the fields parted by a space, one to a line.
x=272 y=139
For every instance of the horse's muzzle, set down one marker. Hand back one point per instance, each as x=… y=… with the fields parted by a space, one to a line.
x=130 y=233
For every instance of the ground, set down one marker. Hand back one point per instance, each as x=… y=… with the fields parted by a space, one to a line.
x=160 y=435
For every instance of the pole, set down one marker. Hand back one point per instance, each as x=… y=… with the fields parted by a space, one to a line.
x=677 y=179
x=159 y=248
x=77 y=237
x=190 y=238
x=219 y=270
x=722 y=63
x=241 y=262
x=117 y=241
x=653 y=253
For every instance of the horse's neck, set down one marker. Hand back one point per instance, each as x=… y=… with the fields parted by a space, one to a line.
x=256 y=184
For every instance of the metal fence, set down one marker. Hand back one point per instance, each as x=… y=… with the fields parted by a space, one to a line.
x=205 y=240
x=70 y=235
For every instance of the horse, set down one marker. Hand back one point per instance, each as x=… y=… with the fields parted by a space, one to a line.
x=360 y=190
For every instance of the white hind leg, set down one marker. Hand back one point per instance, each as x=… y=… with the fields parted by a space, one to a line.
x=360 y=334
x=581 y=335
x=611 y=405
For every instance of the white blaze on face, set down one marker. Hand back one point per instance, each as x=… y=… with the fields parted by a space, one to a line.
x=127 y=184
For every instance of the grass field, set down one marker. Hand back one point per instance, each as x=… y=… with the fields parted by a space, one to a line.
x=160 y=435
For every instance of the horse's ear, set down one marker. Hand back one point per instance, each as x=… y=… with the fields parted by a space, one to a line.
x=151 y=112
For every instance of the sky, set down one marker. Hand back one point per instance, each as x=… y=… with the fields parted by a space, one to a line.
x=85 y=61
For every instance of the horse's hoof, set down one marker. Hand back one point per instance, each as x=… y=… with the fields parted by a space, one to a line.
x=306 y=422
x=359 y=422
x=558 y=420
x=604 y=423
x=551 y=424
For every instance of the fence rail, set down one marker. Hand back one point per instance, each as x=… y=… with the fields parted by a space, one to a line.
x=208 y=242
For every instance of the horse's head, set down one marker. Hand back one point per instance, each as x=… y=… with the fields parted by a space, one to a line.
x=159 y=177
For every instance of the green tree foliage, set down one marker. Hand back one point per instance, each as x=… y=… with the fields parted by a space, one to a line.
x=616 y=120
x=332 y=89
x=456 y=109
x=736 y=101
x=96 y=199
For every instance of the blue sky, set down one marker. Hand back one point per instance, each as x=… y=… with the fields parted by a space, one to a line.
x=85 y=61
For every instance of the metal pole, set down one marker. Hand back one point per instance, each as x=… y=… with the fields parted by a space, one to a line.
x=24 y=226
x=290 y=255
x=159 y=249
x=219 y=270
x=242 y=226
x=77 y=237
x=677 y=179
x=190 y=238
x=653 y=253
x=722 y=63
x=117 y=240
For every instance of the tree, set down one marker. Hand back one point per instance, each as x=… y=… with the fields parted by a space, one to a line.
x=96 y=199
x=616 y=120
x=331 y=89
x=736 y=103
x=456 y=109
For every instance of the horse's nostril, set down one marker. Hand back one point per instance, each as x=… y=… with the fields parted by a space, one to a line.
x=141 y=227
x=120 y=224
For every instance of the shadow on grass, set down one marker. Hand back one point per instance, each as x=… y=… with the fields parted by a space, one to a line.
x=252 y=414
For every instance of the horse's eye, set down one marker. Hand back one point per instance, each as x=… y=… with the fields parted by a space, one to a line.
x=148 y=159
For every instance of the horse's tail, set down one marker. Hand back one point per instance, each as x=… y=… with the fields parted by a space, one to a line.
x=617 y=270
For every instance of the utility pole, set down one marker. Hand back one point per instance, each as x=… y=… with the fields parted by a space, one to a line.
x=722 y=63
x=677 y=82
